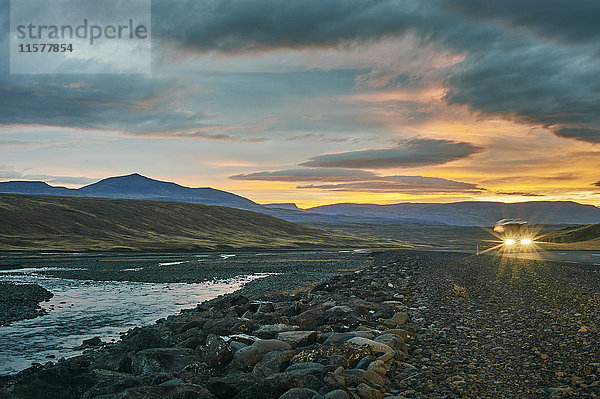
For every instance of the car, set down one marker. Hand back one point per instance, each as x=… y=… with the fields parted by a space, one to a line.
x=514 y=233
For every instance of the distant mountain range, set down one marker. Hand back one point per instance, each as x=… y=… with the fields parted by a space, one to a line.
x=470 y=213
x=135 y=186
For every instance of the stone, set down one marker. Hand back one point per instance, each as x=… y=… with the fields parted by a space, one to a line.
x=366 y=392
x=336 y=394
x=160 y=360
x=266 y=345
x=163 y=391
x=299 y=393
x=400 y=318
x=216 y=352
x=405 y=335
x=247 y=356
x=306 y=365
x=308 y=319
x=236 y=346
x=379 y=366
x=269 y=331
x=374 y=347
x=297 y=338
x=393 y=341
x=273 y=362
x=87 y=343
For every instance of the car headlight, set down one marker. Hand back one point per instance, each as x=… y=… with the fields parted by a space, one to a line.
x=526 y=241
x=509 y=241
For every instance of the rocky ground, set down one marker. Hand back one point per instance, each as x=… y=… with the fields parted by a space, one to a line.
x=410 y=324
x=21 y=301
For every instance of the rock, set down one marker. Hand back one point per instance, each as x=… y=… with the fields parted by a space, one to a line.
x=87 y=343
x=299 y=393
x=339 y=338
x=379 y=366
x=297 y=338
x=216 y=352
x=366 y=392
x=400 y=318
x=336 y=394
x=159 y=360
x=236 y=346
x=269 y=331
x=345 y=355
x=405 y=335
x=273 y=362
x=302 y=378
x=266 y=307
x=307 y=365
x=243 y=338
x=181 y=391
x=308 y=319
x=374 y=347
x=266 y=345
x=232 y=384
x=393 y=341
x=247 y=357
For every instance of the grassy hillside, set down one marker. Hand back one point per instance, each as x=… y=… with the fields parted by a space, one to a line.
x=586 y=237
x=34 y=223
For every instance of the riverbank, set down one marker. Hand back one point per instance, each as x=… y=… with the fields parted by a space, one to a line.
x=407 y=325
x=21 y=301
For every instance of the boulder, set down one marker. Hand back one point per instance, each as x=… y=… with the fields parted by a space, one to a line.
x=297 y=338
x=159 y=360
x=300 y=393
x=216 y=352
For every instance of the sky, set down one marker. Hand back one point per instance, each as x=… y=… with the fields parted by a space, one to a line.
x=318 y=102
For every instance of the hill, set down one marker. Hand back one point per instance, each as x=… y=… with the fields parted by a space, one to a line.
x=78 y=224
x=469 y=213
x=585 y=237
x=135 y=186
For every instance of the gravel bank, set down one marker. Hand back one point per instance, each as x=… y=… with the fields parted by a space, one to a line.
x=409 y=325
x=21 y=301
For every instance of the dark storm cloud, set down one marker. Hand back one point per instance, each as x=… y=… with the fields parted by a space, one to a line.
x=586 y=134
x=293 y=175
x=248 y=25
x=413 y=153
x=597 y=184
x=402 y=184
x=518 y=193
x=534 y=61
x=569 y=22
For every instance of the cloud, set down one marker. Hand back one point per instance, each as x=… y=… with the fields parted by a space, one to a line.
x=568 y=23
x=597 y=184
x=402 y=184
x=294 y=175
x=413 y=153
x=519 y=193
x=257 y=25
x=591 y=135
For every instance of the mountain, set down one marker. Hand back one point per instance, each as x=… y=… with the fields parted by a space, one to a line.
x=470 y=213
x=283 y=205
x=42 y=223
x=135 y=186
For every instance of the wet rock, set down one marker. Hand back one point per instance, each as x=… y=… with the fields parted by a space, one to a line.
x=88 y=343
x=273 y=362
x=266 y=345
x=246 y=357
x=297 y=338
x=270 y=331
x=308 y=319
x=159 y=360
x=232 y=384
x=216 y=352
x=303 y=378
